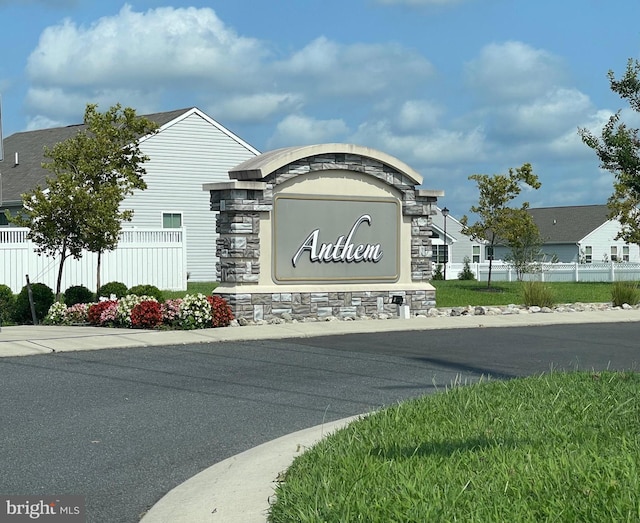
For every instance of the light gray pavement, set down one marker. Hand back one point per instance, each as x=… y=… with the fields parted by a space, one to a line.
x=238 y=489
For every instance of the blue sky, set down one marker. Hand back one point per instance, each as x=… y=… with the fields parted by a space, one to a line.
x=451 y=87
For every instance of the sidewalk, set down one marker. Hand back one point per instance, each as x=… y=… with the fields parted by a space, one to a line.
x=237 y=490
x=26 y=340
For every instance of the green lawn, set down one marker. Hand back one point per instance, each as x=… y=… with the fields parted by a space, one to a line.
x=562 y=447
x=193 y=287
x=458 y=293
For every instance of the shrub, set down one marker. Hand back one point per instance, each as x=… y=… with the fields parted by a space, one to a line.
x=625 y=292
x=195 y=312
x=437 y=273
x=78 y=294
x=221 y=314
x=113 y=287
x=43 y=298
x=466 y=273
x=535 y=293
x=171 y=312
x=7 y=304
x=146 y=314
x=147 y=290
x=103 y=313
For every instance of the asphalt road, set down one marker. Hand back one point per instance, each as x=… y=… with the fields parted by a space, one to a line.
x=122 y=427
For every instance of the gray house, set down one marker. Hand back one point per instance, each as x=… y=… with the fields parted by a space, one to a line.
x=579 y=234
x=189 y=150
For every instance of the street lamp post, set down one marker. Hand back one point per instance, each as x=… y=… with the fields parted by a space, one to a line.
x=445 y=213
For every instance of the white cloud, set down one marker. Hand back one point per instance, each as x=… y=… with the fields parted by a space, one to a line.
x=66 y=106
x=191 y=55
x=256 y=107
x=331 y=69
x=304 y=130
x=171 y=45
x=417 y=115
x=550 y=113
x=514 y=71
x=437 y=147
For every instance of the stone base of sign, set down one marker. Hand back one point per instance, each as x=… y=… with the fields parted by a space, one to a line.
x=321 y=304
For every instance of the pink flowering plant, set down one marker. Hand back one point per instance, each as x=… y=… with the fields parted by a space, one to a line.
x=77 y=313
x=171 y=312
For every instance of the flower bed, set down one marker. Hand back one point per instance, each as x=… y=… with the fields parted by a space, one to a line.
x=194 y=311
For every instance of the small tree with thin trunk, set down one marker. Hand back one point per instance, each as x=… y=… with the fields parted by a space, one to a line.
x=525 y=243
x=93 y=172
x=495 y=218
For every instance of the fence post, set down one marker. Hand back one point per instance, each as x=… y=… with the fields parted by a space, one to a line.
x=576 y=272
x=33 y=307
x=613 y=271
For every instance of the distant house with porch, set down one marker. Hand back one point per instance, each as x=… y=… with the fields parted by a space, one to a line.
x=453 y=247
x=189 y=150
x=579 y=234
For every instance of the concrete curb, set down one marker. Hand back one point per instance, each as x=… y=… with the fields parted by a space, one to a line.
x=246 y=480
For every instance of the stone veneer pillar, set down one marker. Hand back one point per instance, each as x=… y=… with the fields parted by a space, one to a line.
x=242 y=201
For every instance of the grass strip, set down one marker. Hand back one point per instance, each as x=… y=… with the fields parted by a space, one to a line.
x=460 y=293
x=560 y=447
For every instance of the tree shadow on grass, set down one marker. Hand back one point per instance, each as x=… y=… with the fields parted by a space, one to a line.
x=443 y=448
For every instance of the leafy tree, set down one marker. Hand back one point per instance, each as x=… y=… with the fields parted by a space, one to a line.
x=495 y=218
x=92 y=173
x=618 y=149
x=523 y=237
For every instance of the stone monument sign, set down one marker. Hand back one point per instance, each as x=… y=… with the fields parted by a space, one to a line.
x=323 y=230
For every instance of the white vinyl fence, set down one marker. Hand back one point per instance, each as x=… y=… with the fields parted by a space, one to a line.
x=553 y=272
x=143 y=256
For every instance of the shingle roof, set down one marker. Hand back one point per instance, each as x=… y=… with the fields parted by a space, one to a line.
x=29 y=145
x=568 y=224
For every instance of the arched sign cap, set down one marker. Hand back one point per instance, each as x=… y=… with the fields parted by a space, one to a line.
x=261 y=166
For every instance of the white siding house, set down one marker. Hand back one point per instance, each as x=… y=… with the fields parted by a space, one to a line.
x=189 y=150
x=455 y=246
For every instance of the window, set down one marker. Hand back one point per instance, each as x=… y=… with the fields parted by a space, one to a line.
x=588 y=254
x=489 y=252
x=625 y=253
x=171 y=220
x=476 y=254
x=614 y=253
x=440 y=254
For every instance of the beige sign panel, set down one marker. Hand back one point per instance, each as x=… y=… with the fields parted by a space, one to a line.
x=333 y=239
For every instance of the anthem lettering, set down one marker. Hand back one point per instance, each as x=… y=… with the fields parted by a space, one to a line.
x=343 y=250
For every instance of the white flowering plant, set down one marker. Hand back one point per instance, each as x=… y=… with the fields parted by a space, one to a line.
x=56 y=314
x=195 y=312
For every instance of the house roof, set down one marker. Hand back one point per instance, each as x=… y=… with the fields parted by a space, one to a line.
x=25 y=174
x=568 y=224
